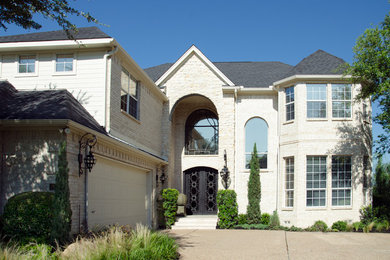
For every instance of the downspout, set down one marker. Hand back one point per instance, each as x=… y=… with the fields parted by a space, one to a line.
x=235 y=138
x=278 y=155
x=107 y=88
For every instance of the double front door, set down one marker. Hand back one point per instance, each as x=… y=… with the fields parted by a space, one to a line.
x=201 y=186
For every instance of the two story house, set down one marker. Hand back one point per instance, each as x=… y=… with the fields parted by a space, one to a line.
x=185 y=121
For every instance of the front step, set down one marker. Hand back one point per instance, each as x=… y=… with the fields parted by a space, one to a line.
x=196 y=222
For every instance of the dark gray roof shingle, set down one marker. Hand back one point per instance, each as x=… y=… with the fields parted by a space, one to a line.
x=47 y=104
x=318 y=63
x=83 y=33
x=264 y=74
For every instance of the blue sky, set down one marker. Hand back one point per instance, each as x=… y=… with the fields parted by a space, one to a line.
x=156 y=32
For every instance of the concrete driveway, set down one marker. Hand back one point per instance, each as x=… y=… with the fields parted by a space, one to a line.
x=265 y=244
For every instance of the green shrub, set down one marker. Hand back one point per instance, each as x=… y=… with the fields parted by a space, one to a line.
x=340 y=225
x=252 y=226
x=254 y=190
x=357 y=226
x=62 y=213
x=227 y=208
x=367 y=214
x=319 y=225
x=295 y=229
x=28 y=217
x=381 y=226
x=367 y=228
x=349 y=228
x=170 y=205
x=274 y=219
x=242 y=219
x=265 y=218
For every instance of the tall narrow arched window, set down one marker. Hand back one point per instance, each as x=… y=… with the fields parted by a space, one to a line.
x=201 y=133
x=256 y=131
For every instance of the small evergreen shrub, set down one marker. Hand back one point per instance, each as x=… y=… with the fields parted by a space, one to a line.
x=274 y=219
x=227 y=208
x=252 y=226
x=254 y=190
x=265 y=218
x=170 y=205
x=242 y=219
x=28 y=217
x=62 y=212
x=340 y=225
x=319 y=225
x=295 y=229
x=367 y=215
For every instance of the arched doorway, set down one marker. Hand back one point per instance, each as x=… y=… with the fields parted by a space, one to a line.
x=201 y=186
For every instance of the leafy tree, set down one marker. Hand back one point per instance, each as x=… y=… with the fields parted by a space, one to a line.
x=21 y=12
x=381 y=192
x=62 y=213
x=371 y=68
x=254 y=190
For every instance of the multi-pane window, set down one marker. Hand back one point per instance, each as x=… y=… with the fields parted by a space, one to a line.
x=341 y=180
x=129 y=94
x=316 y=100
x=27 y=64
x=290 y=115
x=289 y=181
x=256 y=132
x=341 y=100
x=315 y=181
x=64 y=62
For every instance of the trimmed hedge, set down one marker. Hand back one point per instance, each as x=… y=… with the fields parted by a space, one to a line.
x=28 y=217
x=227 y=209
x=265 y=218
x=170 y=205
x=319 y=225
x=340 y=225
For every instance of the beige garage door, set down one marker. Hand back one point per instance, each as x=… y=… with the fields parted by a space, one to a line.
x=117 y=194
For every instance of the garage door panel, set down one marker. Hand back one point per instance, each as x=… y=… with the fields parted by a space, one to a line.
x=117 y=194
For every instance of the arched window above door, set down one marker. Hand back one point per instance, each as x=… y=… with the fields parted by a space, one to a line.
x=256 y=131
x=201 y=133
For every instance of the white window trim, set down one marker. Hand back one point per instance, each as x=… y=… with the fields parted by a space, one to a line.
x=138 y=90
x=285 y=180
x=285 y=105
x=326 y=188
x=64 y=73
x=36 y=66
x=351 y=188
x=331 y=103
x=326 y=103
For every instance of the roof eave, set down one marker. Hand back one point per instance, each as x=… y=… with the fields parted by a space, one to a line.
x=63 y=44
x=295 y=78
x=246 y=91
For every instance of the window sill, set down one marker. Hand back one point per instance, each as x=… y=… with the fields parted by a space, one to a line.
x=261 y=170
x=131 y=117
x=287 y=209
x=316 y=119
x=341 y=208
x=316 y=208
x=342 y=119
x=201 y=155
x=23 y=75
x=71 y=73
x=288 y=122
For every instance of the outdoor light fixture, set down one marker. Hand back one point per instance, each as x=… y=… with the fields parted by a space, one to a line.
x=225 y=174
x=86 y=143
x=162 y=178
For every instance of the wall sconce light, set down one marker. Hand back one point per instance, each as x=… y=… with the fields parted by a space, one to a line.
x=225 y=173
x=162 y=177
x=86 y=157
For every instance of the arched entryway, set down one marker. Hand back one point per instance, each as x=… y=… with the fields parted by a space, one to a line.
x=201 y=186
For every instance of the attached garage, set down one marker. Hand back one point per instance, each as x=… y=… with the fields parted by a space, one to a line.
x=118 y=194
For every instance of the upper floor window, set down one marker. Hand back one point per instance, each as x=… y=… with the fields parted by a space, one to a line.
x=27 y=64
x=201 y=133
x=290 y=115
x=341 y=100
x=316 y=100
x=256 y=131
x=64 y=62
x=315 y=181
x=129 y=94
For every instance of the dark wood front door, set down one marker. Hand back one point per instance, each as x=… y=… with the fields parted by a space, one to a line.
x=201 y=186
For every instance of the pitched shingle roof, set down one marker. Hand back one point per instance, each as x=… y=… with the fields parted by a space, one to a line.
x=83 y=33
x=47 y=104
x=248 y=74
x=318 y=63
x=263 y=74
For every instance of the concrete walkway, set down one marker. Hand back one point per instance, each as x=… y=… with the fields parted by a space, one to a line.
x=266 y=244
